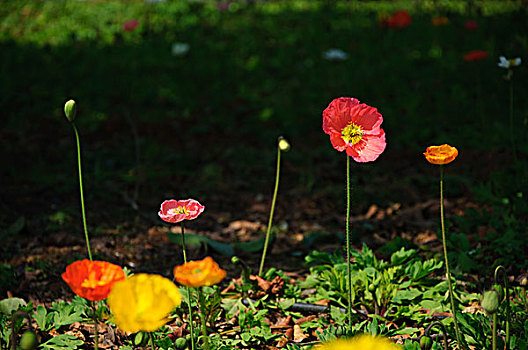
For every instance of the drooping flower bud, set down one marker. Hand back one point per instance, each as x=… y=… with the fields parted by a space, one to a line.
x=490 y=301
x=70 y=109
x=500 y=291
x=426 y=343
x=28 y=341
x=284 y=145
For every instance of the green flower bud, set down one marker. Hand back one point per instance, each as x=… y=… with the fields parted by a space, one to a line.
x=70 y=109
x=235 y=260
x=283 y=144
x=490 y=301
x=180 y=343
x=500 y=292
x=523 y=281
x=28 y=341
x=426 y=343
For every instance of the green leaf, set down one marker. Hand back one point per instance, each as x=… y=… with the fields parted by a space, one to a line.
x=62 y=342
x=43 y=319
x=252 y=246
x=10 y=305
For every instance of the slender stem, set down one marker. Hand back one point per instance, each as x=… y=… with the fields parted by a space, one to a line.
x=81 y=189
x=512 y=130
x=188 y=289
x=441 y=325
x=268 y=232
x=349 y=277
x=203 y=320
x=494 y=332
x=507 y=296
x=151 y=341
x=96 y=330
x=448 y=274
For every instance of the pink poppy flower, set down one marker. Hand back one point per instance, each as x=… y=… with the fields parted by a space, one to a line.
x=354 y=127
x=174 y=211
x=471 y=24
x=129 y=26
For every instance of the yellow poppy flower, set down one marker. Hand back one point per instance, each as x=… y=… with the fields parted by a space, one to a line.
x=361 y=342
x=143 y=302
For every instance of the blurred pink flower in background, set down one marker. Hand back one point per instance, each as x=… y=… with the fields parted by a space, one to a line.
x=130 y=25
x=223 y=6
x=471 y=24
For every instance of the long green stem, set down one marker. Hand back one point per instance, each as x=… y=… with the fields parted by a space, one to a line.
x=512 y=130
x=349 y=267
x=494 y=332
x=188 y=289
x=81 y=189
x=96 y=330
x=151 y=341
x=268 y=232
x=448 y=274
x=203 y=320
x=507 y=296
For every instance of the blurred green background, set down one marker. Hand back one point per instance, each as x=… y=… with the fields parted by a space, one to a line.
x=204 y=124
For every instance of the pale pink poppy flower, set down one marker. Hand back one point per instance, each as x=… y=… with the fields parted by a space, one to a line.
x=174 y=211
x=129 y=26
x=354 y=127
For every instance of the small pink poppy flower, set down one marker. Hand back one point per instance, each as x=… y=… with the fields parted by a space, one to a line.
x=129 y=26
x=471 y=24
x=174 y=211
x=354 y=127
x=223 y=6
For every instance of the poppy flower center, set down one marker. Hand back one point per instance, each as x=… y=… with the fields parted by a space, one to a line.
x=352 y=133
x=178 y=210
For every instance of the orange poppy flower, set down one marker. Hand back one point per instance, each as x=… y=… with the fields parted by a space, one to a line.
x=475 y=55
x=438 y=21
x=199 y=273
x=444 y=154
x=92 y=280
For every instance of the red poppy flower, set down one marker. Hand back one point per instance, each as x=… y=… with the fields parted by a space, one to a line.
x=174 y=211
x=354 y=127
x=476 y=55
x=471 y=24
x=399 y=19
x=92 y=280
x=130 y=25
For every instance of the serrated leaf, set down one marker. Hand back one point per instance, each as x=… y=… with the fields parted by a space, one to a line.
x=62 y=342
x=10 y=305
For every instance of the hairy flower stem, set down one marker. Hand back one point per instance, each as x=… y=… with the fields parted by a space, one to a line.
x=349 y=267
x=448 y=274
x=188 y=289
x=203 y=320
x=507 y=296
x=81 y=189
x=494 y=332
x=441 y=325
x=268 y=232
x=96 y=330
x=151 y=341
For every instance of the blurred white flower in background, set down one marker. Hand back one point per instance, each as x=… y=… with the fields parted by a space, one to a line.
x=180 y=49
x=335 y=55
x=509 y=63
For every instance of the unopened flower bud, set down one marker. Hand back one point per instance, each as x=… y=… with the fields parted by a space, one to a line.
x=283 y=144
x=180 y=343
x=490 y=301
x=500 y=291
x=70 y=109
x=28 y=341
x=235 y=260
x=426 y=343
